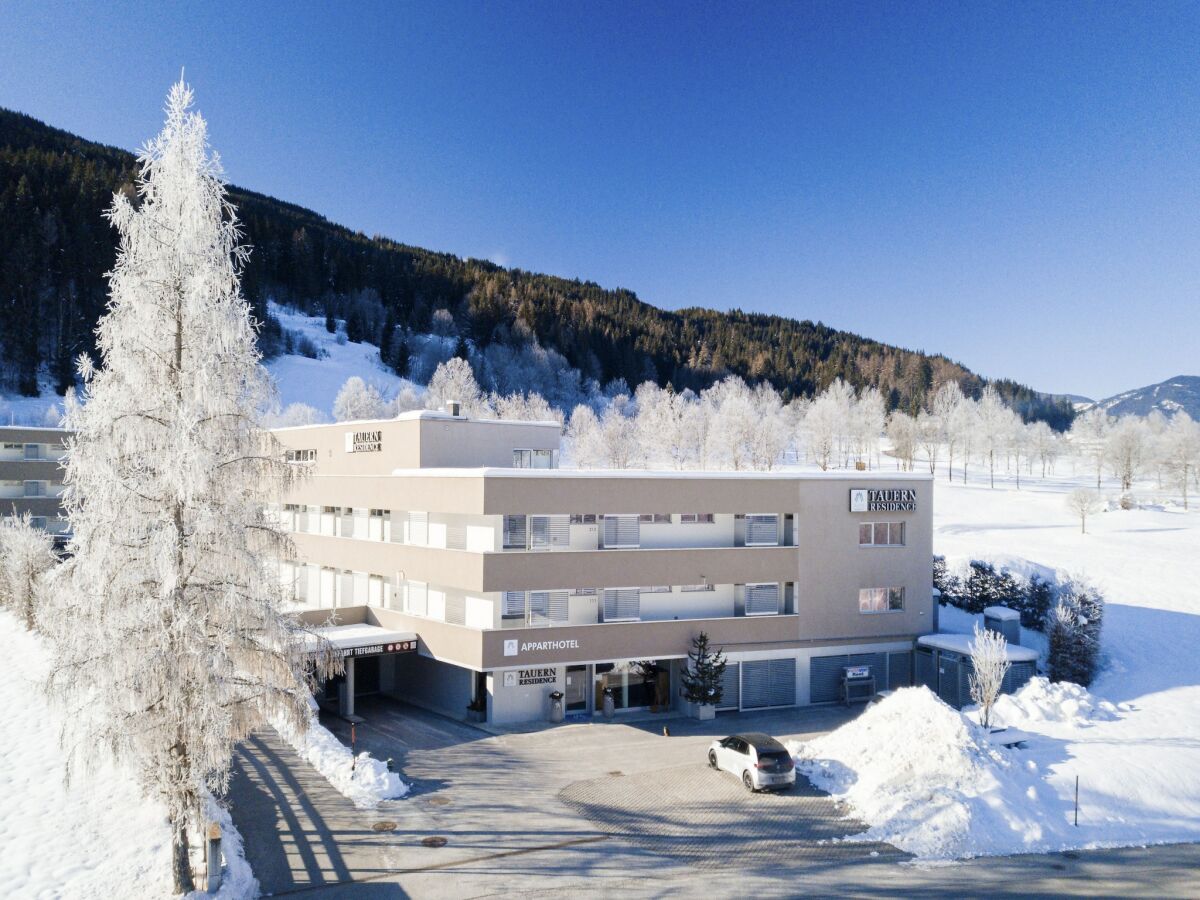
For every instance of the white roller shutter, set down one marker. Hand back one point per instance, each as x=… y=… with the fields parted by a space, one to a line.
x=418 y=528
x=549 y=532
x=762 y=599
x=547 y=607
x=762 y=530
x=622 y=604
x=621 y=531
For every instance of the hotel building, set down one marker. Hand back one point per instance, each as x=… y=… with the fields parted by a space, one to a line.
x=31 y=474
x=463 y=567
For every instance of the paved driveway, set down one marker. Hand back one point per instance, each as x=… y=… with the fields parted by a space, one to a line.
x=545 y=813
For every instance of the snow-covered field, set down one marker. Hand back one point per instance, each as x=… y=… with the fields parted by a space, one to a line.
x=96 y=837
x=1133 y=741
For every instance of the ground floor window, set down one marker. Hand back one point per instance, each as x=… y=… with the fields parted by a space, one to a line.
x=635 y=684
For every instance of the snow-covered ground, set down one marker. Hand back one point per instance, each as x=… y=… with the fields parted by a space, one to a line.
x=316 y=382
x=96 y=837
x=363 y=779
x=1134 y=740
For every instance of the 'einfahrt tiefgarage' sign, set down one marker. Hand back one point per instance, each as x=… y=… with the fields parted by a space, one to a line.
x=364 y=441
x=885 y=500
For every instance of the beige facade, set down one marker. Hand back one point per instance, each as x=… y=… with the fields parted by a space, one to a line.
x=540 y=578
x=31 y=474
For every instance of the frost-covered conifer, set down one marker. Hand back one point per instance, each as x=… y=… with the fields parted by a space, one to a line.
x=171 y=643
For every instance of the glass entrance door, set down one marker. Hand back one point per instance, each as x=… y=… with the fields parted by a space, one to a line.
x=576 y=693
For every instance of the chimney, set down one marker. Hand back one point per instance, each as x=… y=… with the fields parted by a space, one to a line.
x=453 y=407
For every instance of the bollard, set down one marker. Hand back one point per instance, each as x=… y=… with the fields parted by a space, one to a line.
x=666 y=731
x=213 y=849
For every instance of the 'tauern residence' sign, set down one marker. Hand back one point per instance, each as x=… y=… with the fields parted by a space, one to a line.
x=886 y=500
x=364 y=441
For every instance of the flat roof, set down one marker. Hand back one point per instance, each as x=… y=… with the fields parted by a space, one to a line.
x=417 y=415
x=676 y=474
x=961 y=643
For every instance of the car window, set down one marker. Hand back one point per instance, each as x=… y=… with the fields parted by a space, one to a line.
x=742 y=747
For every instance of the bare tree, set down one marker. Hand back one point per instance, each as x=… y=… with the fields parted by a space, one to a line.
x=989 y=661
x=1083 y=502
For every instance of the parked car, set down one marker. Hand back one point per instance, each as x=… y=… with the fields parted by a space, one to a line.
x=758 y=759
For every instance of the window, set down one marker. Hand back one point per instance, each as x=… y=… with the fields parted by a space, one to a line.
x=533 y=459
x=881 y=600
x=514 y=605
x=583 y=518
x=696 y=587
x=547 y=607
x=762 y=530
x=38 y=522
x=301 y=457
x=655 y=518
x=418 y=527
x=33 y=451
x=657 y=589
x=35 y=489
x=762 y=599
x=622 y=604
x=549 y=533
x=621 y=532
x=881 y=534
x=8 y=446
x=515 y=533
x=583 y=592
x=696 y=519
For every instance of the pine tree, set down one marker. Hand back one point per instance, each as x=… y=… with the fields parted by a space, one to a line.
x=173 y=624
x=702 y=677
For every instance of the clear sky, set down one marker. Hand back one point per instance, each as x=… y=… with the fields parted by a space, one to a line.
x=1015 y=185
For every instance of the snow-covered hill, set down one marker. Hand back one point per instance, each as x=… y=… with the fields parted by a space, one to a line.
x=1168 y=397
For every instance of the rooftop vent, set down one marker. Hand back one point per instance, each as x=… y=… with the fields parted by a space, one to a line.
x=454 y=408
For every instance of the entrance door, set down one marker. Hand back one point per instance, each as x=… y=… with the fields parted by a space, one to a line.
x=576 y=693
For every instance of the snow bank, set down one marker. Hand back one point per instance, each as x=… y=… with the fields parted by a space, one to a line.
x=926 y=780
x=1040 y=700
x=237 y=878
x=366 y=784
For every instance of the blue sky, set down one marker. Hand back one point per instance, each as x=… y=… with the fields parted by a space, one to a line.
x=1017 y=186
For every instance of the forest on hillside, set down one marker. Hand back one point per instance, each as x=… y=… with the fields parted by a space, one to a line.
x=56 y=247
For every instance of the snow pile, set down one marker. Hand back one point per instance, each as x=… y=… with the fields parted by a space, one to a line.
x=237 y=879
x=367 y=783
x=925 y=779
x=1040 y=700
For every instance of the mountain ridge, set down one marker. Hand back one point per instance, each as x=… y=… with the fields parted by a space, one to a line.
x=54 y=186
x=1181 y=393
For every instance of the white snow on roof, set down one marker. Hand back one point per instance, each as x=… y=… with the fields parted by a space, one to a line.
x=1003 y=613
x=961 y=643
x=347 y=637
x=490 y=472
x=420 y=414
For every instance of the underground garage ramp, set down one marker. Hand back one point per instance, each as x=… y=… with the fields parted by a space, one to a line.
x=706 y=818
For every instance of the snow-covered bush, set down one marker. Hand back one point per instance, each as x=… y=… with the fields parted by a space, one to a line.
x=1074 y=633
x=989 y=665
x=26 y=555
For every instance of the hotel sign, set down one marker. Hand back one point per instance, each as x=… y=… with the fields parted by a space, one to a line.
x=514 y=647
x=888 y=500
x=530 y=677
x=364 y=441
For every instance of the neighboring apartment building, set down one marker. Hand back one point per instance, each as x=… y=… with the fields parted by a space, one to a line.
x=31 y=474
x=513 y=578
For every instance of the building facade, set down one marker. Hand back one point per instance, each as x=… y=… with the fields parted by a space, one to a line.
x=31 y=474
x=518 y=578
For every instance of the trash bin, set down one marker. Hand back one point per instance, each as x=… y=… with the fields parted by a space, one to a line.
x=610 y=706
x=556 y=706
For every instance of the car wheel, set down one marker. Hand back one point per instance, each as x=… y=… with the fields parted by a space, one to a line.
x=712 y=759
x=748 y=781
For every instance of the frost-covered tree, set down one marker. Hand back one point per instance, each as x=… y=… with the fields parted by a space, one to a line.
x=454 y=380
x=583 y=438
x=171 y=644
x=1180 y=451
x=945 y=405
x=964 y=425
x=1089 y=437
x=868 y=417
x=359 y=400
x=26 y=555
x=1043 y=445
x=929 y=435
x=995 y=423
x=902 y=432
x=1083 y=502
x=989 y=665
x=525 y=408
x=407 y=399
x=1125 y=448
x=294 y=414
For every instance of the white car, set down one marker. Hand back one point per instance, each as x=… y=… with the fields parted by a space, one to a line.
x=758 y=759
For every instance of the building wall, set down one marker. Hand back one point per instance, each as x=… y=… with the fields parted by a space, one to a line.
x=430 y=684
x=15 y=470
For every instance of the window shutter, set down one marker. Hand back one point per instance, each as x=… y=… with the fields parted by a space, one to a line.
x=621 y=531
x=514 y=533
x=418 y=528
x=557 y=607
x=762 y=599
x=514 y=605
x=762 y=529
x=622 y=604
x=549 y=532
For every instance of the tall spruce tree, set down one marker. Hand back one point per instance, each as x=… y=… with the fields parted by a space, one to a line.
x=174 y=626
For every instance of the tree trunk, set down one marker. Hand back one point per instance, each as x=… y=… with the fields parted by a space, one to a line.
x=180 y=862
